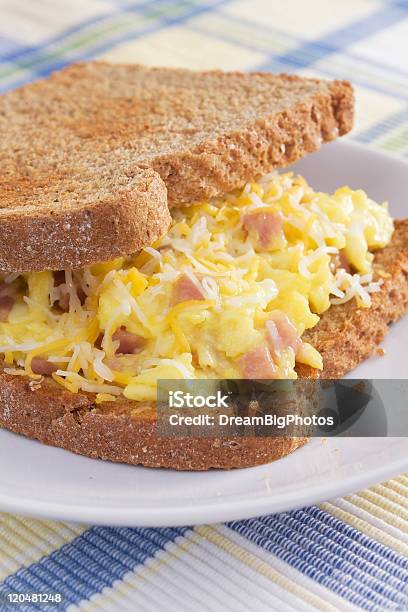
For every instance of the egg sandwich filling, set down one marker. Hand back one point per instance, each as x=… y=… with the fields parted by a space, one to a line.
x=227 y=293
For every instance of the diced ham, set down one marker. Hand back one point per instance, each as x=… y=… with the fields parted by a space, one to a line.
x=128 y=342
x=281 y=334
x=124 y=363
x=343 y=261
x=98 y=341
x=258 y=364
x=59 y=278
x=184 y=290
x=39 y=365
x=63 y=302
x=194 y=359
x=6 y=304
x=81 y=295
x=340 y=261
x=5 y=289
x=267 y=225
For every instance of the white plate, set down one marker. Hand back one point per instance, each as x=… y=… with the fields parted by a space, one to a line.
x=48 y=482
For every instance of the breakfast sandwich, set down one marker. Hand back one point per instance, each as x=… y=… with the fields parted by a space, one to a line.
x=146 y=234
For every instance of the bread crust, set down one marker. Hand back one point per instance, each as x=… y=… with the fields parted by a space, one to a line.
x=273 y=141
x=82 y=153
x=346 y=335
x=125 y=431
x=114 y=226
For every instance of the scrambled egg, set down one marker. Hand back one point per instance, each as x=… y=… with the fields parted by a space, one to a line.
x=227 y=293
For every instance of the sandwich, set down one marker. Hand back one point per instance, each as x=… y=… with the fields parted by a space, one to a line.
x=146 y=234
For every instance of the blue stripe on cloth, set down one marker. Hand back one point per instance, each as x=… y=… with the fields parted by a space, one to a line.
x=91 y=562
x=401 y=3
x=338 y=40
x=22 y=51
x=393 y=121
x=142 y=6
x=7 y=43
x=313 y=52
x=39 y=62
x=334 y=554
x=94 y=20
x=277 y=65
x=275 y=31
x=368 y=25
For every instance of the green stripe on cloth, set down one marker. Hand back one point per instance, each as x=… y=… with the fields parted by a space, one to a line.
x=395 y=141
x=105 y=33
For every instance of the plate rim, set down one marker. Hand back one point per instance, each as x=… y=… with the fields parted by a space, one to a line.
x=215 y=510
x=209 y=512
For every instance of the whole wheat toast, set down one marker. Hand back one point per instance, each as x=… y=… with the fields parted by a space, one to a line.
x=82 y=153
x=125 y=431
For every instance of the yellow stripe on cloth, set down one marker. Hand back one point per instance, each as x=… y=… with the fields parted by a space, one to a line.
x=397 y=486
x=363 y=525
x=401 y=480
x=263 y=568
x=385 y=503
x=25 y=541
x=382 y=508
x=393 y=496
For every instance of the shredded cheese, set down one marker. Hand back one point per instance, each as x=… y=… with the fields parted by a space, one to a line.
x=289 y=261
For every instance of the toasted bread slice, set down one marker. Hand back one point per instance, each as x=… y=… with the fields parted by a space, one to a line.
x=346 y=335
x=75 y=218
x=78 y=151
x=125 y=431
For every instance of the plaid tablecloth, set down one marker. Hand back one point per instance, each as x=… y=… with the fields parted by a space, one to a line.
x=345 y=554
